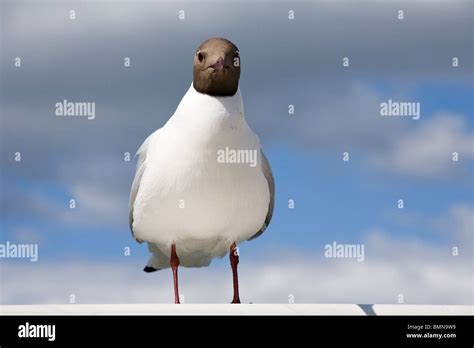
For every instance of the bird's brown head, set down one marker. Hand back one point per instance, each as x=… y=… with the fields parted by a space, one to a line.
x=216 y=68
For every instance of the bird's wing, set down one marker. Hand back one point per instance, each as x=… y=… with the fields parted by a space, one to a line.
x=267 y=171
x=140 y=169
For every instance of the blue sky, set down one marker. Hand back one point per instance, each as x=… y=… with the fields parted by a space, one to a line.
x=336 y=111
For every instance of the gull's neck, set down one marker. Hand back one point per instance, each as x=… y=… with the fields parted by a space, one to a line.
x=195 y=103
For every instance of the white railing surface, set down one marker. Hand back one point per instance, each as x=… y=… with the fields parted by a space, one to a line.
x=236 y=309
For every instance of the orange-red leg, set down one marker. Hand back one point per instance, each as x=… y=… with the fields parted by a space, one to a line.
x=234 y=261
x=174 y=262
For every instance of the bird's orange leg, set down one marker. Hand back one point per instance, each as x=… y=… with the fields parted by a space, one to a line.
x=234 y=261
x=174 y=262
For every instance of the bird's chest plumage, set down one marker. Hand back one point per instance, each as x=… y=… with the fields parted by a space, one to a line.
x=203 y=187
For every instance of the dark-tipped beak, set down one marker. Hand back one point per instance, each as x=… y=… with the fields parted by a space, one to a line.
x=219 y=64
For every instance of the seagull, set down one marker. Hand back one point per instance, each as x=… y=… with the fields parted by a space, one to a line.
x=202 y=183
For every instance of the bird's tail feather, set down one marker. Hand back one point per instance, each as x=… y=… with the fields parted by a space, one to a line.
x=158 y=260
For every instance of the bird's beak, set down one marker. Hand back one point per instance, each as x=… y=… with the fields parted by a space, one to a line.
x=219 y=64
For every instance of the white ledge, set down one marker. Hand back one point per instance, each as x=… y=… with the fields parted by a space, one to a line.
x=236 y=309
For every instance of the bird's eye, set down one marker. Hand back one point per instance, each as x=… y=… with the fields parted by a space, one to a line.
x=200 y=56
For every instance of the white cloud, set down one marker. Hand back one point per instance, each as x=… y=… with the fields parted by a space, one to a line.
x=458 y=223
x=28 y=235
x=423 y=274
x=426 y=151
x=100 y=189
x=96 y=205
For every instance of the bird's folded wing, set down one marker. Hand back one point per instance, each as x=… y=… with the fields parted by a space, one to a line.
x=267 y=171
x=140 y=169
